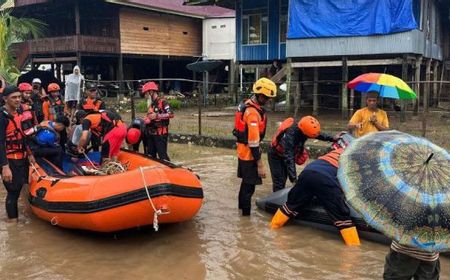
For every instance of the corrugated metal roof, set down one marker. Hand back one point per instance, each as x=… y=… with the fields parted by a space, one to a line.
x=177 y=7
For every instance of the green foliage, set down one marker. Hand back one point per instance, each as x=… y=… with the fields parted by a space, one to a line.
x=174 y=103
x=141 y=106
x=13 y=30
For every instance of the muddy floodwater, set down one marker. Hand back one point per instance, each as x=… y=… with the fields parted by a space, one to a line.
x=217 y=244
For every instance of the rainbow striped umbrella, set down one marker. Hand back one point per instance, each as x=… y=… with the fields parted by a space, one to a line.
x=386 y=85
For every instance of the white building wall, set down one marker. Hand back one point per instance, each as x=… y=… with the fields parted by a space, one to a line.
x=219 y=38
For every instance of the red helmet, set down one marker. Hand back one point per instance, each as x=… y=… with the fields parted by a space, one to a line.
x=310 y=126
x=25 y=87
x=53 y=87
x=149 y=86
x=133 y=135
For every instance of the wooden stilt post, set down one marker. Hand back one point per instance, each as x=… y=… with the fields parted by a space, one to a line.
x=352 y=101
x=426 y=97
x=344 y=96
x=315 y=92
x=417 y=85
x=298 y=91
x=404 y=78
x=232 y=80
x=288 y=85
x=435 y=83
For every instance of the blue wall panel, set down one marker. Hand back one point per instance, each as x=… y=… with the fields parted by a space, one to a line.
x=254 y=52
x=282 y=51
x=238 y=30
x=274 y=28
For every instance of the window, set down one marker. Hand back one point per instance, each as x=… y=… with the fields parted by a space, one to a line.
x=213 y=27
x=223 y=26
x=283 y=20
x=254 y=27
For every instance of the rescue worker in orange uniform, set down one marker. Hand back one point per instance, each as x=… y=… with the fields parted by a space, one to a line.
x=14 y=154
x=109 y=127
x=91 y=102
x=319 y=179
x=28 y=112
x=53 y=107
x=249 y=129
x=157 y=122
x=288 y=148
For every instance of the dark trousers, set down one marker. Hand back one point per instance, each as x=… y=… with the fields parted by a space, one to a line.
x=144 y=141
x=157 y=145
x=278 y=170
x=96 y=142
x=54 y=155
x=326 y=188
x=402 y=267
x=248 y=171
x=19 y=169
x=245 y=198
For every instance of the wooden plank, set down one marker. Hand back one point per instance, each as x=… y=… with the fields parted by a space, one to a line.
x=344 y=91
x=417 y=85
x=55 y=59
x=316 y=92
x=152 y=33
x=338 y=63
x=404 y=78
x=426 y=96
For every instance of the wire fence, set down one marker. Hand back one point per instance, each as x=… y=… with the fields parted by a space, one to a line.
x=208 y=109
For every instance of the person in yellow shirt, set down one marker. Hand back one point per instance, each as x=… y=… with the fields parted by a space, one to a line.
x=249 y=129
x=370 y=118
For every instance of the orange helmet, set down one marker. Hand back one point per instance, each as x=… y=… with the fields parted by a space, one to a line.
x=310 y=126
x=25 y=87
x=133 y=135
x=53 y=87
x=149 y=86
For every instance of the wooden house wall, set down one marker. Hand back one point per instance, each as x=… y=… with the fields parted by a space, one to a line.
x=151 y=33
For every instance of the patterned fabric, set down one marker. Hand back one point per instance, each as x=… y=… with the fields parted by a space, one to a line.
x=401 y=186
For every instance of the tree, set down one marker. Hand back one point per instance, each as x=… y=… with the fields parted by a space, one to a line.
x=13 y=30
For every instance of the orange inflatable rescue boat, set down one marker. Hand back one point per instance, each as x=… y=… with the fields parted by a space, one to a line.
x=149 y=192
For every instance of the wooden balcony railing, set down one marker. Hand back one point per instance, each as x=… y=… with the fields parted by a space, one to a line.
x=76 y=43
x=20 y=3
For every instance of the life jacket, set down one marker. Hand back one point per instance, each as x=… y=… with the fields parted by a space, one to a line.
x=287 y=123
x=159 y=127
x=15 y=139
x=28 y=118
x=91 y=105
x=333 y=157
x=56 y=108
x=240 y=130
x=108 y=120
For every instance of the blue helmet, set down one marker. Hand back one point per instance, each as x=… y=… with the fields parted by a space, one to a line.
x=46 y=137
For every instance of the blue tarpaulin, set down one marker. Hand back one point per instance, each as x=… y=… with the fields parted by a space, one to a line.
x=332 y=18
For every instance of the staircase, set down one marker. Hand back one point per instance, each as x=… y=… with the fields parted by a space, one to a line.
x=279 y=75
x=21 y=52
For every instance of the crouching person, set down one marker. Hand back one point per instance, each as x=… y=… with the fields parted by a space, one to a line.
x=45 y=141
x=319 y=179
x=405 y=262
x=109 y=127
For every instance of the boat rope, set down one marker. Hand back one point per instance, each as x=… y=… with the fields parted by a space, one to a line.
x=90 y=161
x=156 y=212
x=40 y=176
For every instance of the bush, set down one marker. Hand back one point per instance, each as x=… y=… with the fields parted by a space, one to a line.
x=141 y=106
x=174 y=103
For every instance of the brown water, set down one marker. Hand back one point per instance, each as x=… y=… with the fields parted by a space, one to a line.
x=217 y=244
